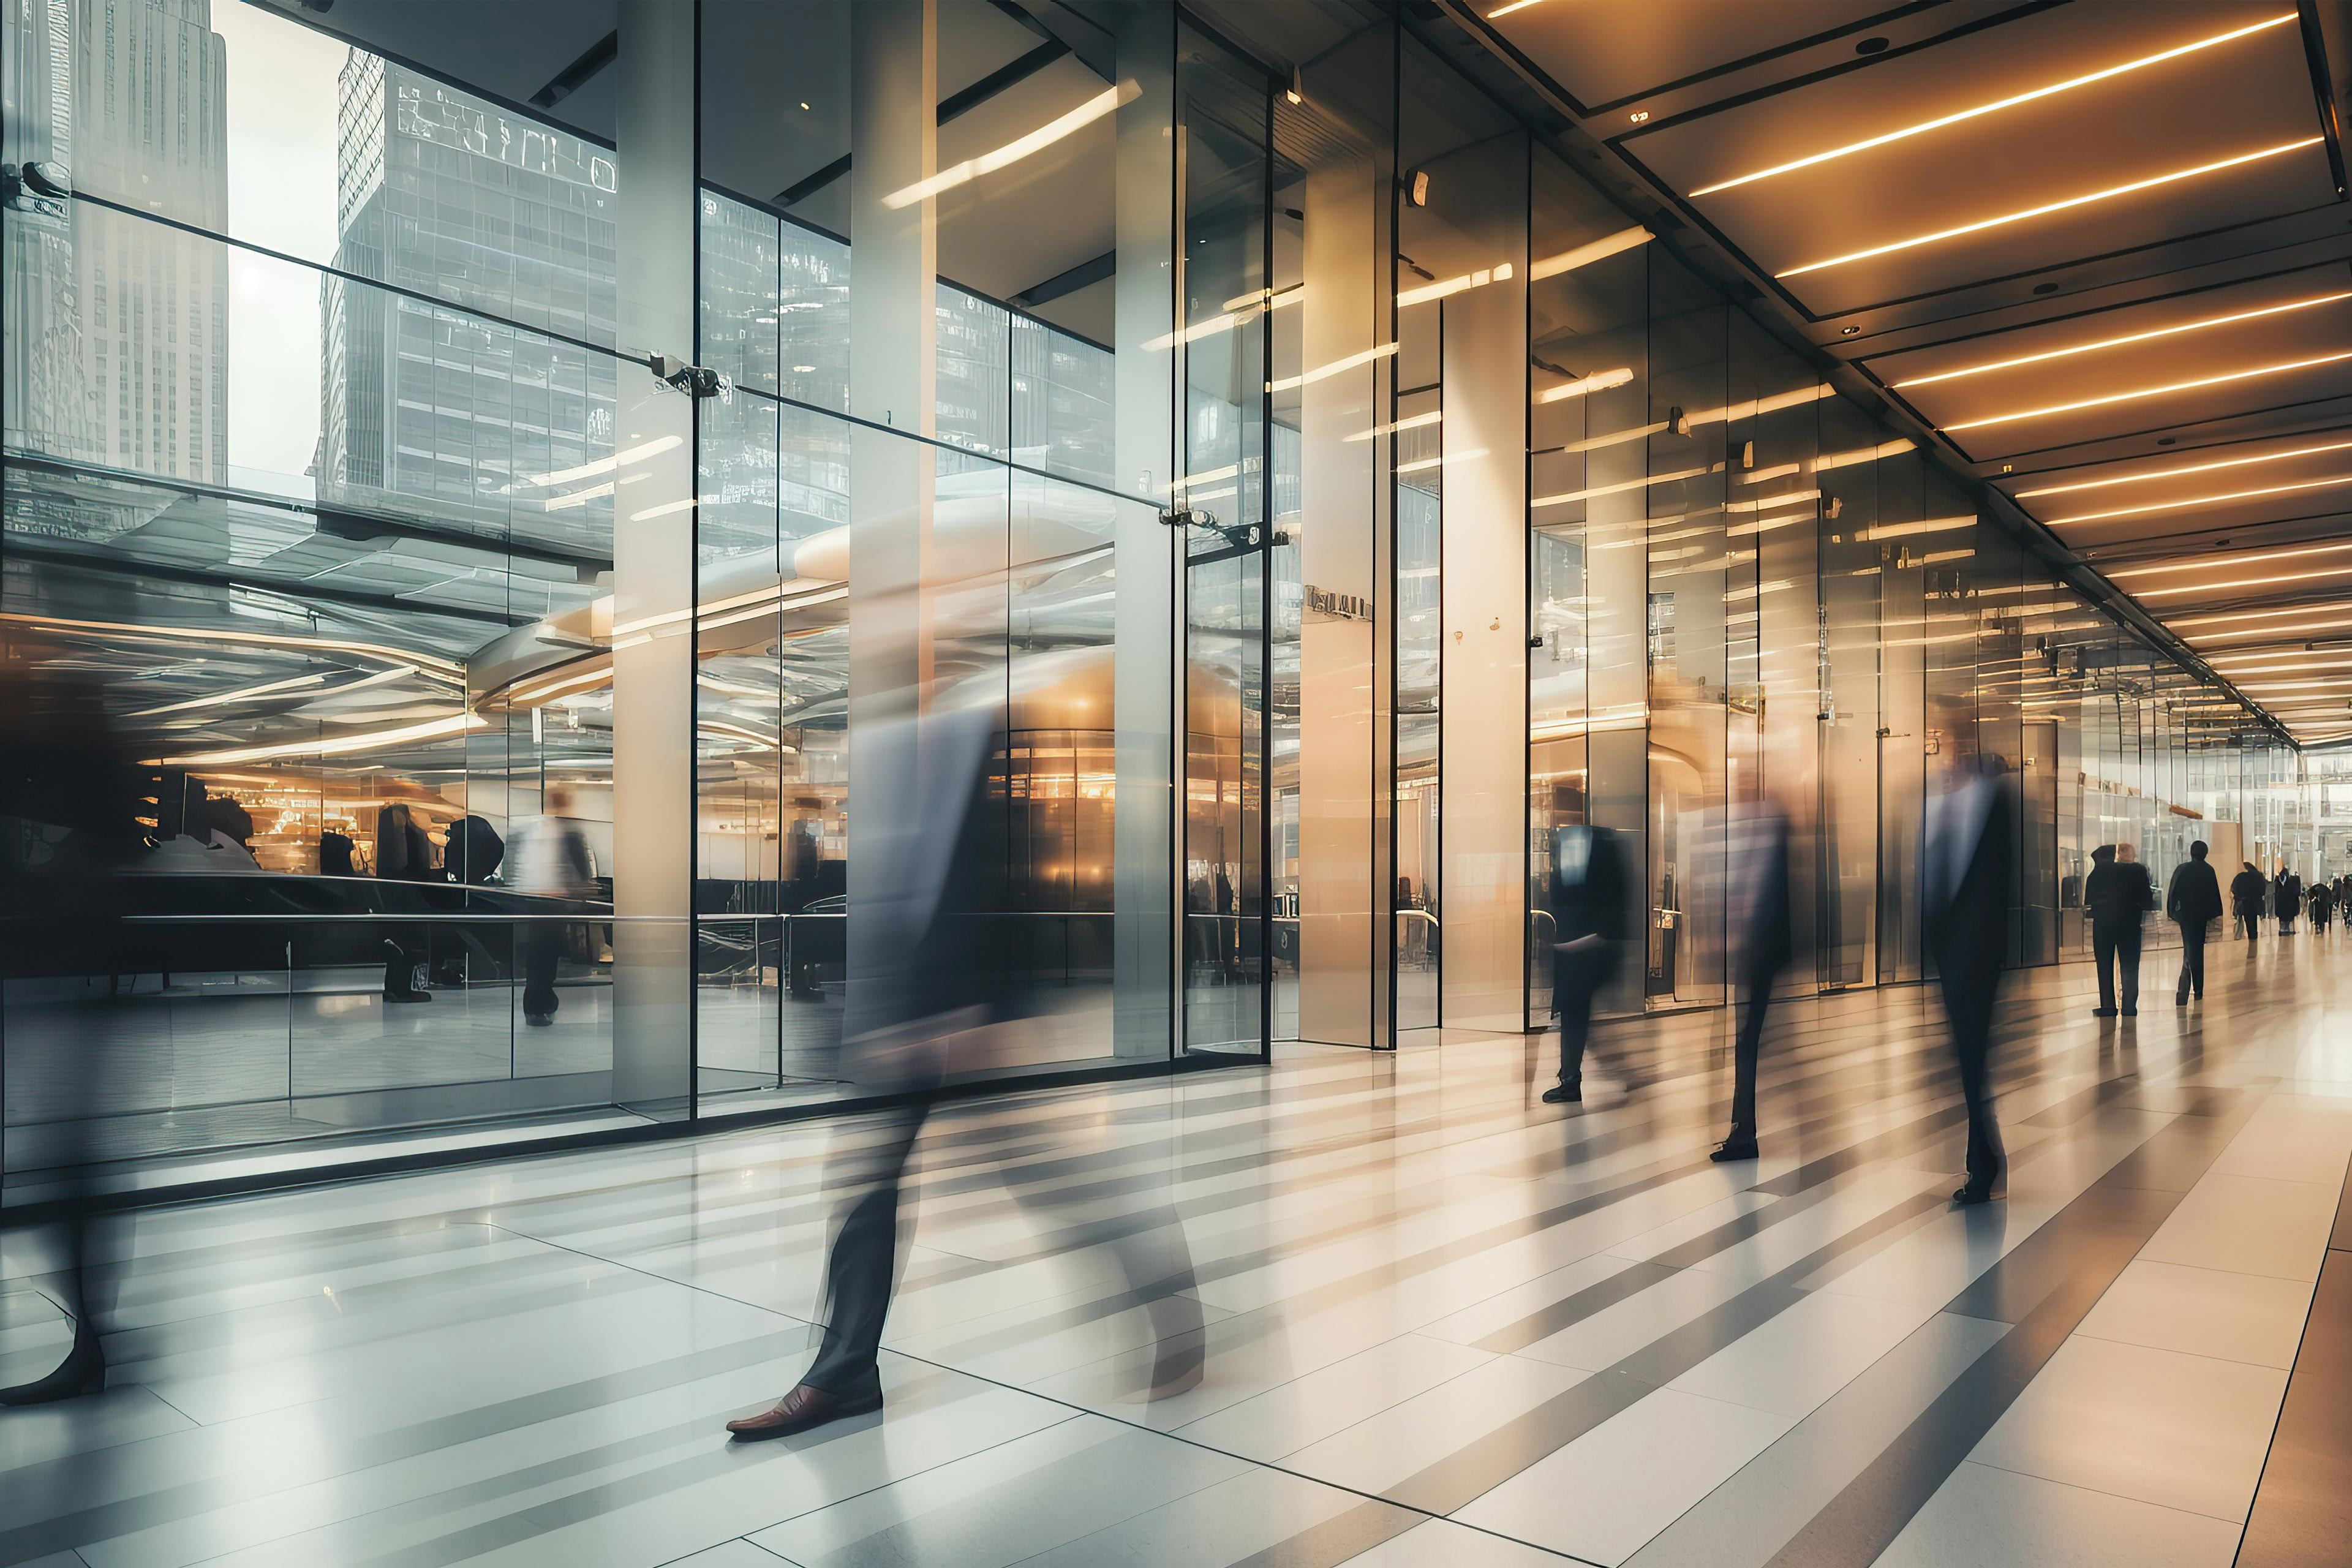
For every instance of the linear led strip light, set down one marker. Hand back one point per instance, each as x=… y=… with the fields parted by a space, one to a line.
x=2208 y=563
x=340 y=745
x=2148 y=476
x=2046 y=208
x=1995 y=106
x=2129 y=338
x=2193 y=502
x=2281 y=368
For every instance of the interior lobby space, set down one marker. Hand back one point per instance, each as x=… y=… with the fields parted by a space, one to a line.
x=1243 y=782
x=1444 y=1324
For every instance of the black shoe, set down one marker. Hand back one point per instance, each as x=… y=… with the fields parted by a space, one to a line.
x=408 y=996
x=538 y=1020
x=799 y=1411
x=82 y=1372
x=2131 y=1011
x=2181 y=998
x=1733 y=1150
x=1567 y=1092
x=2103 y=1012
x=1972 y=1194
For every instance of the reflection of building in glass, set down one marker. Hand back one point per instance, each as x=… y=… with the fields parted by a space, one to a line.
x=445 y=195
x=119 y=329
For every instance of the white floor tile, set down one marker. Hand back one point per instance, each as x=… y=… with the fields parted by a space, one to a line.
x=2202 y=1312
x=1984 y=1517
x=2249 y=1224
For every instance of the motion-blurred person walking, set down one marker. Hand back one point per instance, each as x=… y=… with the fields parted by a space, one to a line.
x=1760 y=923
x=551 y=859
x=1591 y=888
x=69 y=822
x=928 y=968
x=2321 y=901
x=1970 y=860
x=2249 y=892
x=2193 y=901
x=2119 y=893
x=2287 y=898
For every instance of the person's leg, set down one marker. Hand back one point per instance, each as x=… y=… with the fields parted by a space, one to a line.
x=542 y=949
x=1968 y=1007
x=2127 y=941
x=1755 y=1000
x=2193 y=944
x=66 y=1247
x=2103 y=954
x=1574 y=984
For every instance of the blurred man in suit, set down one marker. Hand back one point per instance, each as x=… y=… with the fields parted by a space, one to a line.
x=2193 y=901
x=2119 y=892
x=1965 y=887
x=1591 y=891
x=1759 y=921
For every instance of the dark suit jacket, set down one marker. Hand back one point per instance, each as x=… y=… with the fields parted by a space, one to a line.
x=2194 y=896
x=2117 y=892
x=2251 y=893
x=1967 y=927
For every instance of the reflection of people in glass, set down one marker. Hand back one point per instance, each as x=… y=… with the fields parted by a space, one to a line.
x=403 y=854
x=928 y=965
x=69 y=821
x=551 y=859
x=1591 y=890
x=1760 y=923
x=1965 y=896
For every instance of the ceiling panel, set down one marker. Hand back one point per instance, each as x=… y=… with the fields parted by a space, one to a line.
x=1608 y=53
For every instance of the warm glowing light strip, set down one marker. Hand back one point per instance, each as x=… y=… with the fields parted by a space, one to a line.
x=2137 y=479
x=1926 y=525
x=1586 y=254
x=1829 y=461
x=2195 y=502
x=2047 y=207
x=603 y=464
x=1599 y=381
x=424 y=663
x=1324 y=371
x=1415 y=423
x=1500 y=12
x=1012 y=151
x=2127 y=339
x=2011 y=102
x=1619 y=487
x=289 y=684
x=1421 y=464
x=2259 y=615
x=2278 y=369
x=1444 y=287
x=1767 y=503
x=431 y=729
x=2244 y=583
x=2207 y=564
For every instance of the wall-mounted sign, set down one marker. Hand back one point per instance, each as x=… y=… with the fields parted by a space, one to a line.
x=1338 y=606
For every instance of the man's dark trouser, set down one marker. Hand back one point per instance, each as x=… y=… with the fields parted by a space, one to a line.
x=2193 y=957
x=1756 y=996
x=862 y=1273
x=2253 y=925
x=1577 y=979
x=542 y=949
x=1968 y=1005
x=2109 y=943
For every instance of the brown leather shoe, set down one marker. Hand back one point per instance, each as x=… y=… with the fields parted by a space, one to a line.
x=802 y=1409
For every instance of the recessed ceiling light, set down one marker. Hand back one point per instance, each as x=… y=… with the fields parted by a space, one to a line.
x=804 y=107
x=1967 y=114
x=2280 y=369
x=2192 y=469
x=1871 y=46
x=1848 y=332
x=2127 y=338
x=2046 y=208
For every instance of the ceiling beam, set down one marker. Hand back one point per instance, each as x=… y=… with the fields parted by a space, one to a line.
x=1069 y=281
x=578 y=74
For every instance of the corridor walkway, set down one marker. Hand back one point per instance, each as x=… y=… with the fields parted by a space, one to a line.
x=1446 y=1324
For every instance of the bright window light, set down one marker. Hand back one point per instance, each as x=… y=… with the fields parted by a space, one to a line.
x=1586 y=254
x=1999 y=104
x=2046 y=208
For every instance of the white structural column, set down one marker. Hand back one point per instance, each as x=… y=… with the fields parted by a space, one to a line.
x=1148 y=655
x=1483 y=591
x=892 y=383
x=652 y=566
x=1346 y=553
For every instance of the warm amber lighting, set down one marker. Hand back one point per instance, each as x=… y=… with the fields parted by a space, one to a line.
x=2143 y=477
x=1337 y=367
x=1445 y=286
x=2046 y=208
x=2244 y=582
x=2127 y=339
x=1599 y=381
x=1012 y=151
x=1996 y=106
x=2193 y=502
x=2138 y=393
x=1586 y=254
x=2208 y=565
x=431 y=729
x=1415 y=423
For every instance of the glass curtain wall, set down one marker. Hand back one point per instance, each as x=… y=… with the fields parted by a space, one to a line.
x=487 y=696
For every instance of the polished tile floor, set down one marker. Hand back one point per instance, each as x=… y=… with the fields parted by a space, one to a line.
x=1446 y=1324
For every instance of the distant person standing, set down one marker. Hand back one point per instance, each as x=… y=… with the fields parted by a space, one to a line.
x=2287 y=898
x=2321 y=901
x=1756 y=904
x=1591 y=889
x=1965 y=889
x=2248 y=894
x=550 y=860
x=2119 y=893
x=2193 y=901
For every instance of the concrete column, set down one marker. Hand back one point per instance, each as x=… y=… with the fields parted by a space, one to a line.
x=653 y=566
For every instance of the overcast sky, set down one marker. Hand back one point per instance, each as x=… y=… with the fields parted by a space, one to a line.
x=281 y=194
